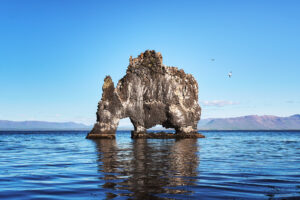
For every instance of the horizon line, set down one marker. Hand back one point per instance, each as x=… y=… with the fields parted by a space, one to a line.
x=158 y=124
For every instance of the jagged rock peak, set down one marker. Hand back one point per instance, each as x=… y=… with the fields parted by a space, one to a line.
x=149 y=58
x=149 y=94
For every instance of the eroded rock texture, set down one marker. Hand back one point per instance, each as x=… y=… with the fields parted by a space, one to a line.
x=149 y=94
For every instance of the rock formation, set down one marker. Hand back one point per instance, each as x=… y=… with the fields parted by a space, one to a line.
x=149 y=94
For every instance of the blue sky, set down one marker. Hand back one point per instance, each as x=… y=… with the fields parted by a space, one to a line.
x=54 y=55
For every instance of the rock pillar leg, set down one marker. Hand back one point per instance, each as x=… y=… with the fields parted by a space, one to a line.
x=108 y=114
x=138 y=132
x=188 y=132
x=99 y=133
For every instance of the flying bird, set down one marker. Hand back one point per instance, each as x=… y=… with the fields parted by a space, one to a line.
x=212 y=59
x=229 y=74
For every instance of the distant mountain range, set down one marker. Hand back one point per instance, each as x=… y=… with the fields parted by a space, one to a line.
x=41 y=125
x=251 y=122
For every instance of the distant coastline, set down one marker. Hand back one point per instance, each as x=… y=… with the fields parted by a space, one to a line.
x=245 y=123
x=6 y=125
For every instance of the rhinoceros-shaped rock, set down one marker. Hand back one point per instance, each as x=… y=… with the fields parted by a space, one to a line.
x=149 y=94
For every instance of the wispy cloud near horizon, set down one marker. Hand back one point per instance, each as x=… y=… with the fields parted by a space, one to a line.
x=292 y=102
x=218 y=103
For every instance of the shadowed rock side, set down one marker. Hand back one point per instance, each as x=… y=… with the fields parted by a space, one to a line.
x=149 y=94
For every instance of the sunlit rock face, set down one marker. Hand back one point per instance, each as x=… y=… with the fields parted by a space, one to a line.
x=149 y=94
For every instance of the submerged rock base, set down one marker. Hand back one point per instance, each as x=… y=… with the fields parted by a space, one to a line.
x=165 y=135
x=144 y=135
x=100 y=136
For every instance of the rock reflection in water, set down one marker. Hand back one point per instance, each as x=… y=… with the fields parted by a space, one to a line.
x=147 y=168
x=107 y=161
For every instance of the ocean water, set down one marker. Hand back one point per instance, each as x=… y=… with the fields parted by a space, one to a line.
x=224 y=165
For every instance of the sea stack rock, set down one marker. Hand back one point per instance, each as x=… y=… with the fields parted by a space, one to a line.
x=149 y=94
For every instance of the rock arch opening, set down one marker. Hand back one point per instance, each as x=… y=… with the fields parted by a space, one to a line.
x=125 y=125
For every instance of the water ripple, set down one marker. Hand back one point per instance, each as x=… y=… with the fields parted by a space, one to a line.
x=225 y=165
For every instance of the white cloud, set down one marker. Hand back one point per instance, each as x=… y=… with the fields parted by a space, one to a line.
x=218 y=103
x=292 y=101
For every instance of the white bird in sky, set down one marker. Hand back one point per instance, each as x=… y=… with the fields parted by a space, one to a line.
x=229 y=74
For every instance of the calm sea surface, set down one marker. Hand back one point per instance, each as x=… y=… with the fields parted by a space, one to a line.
x=225 y=165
